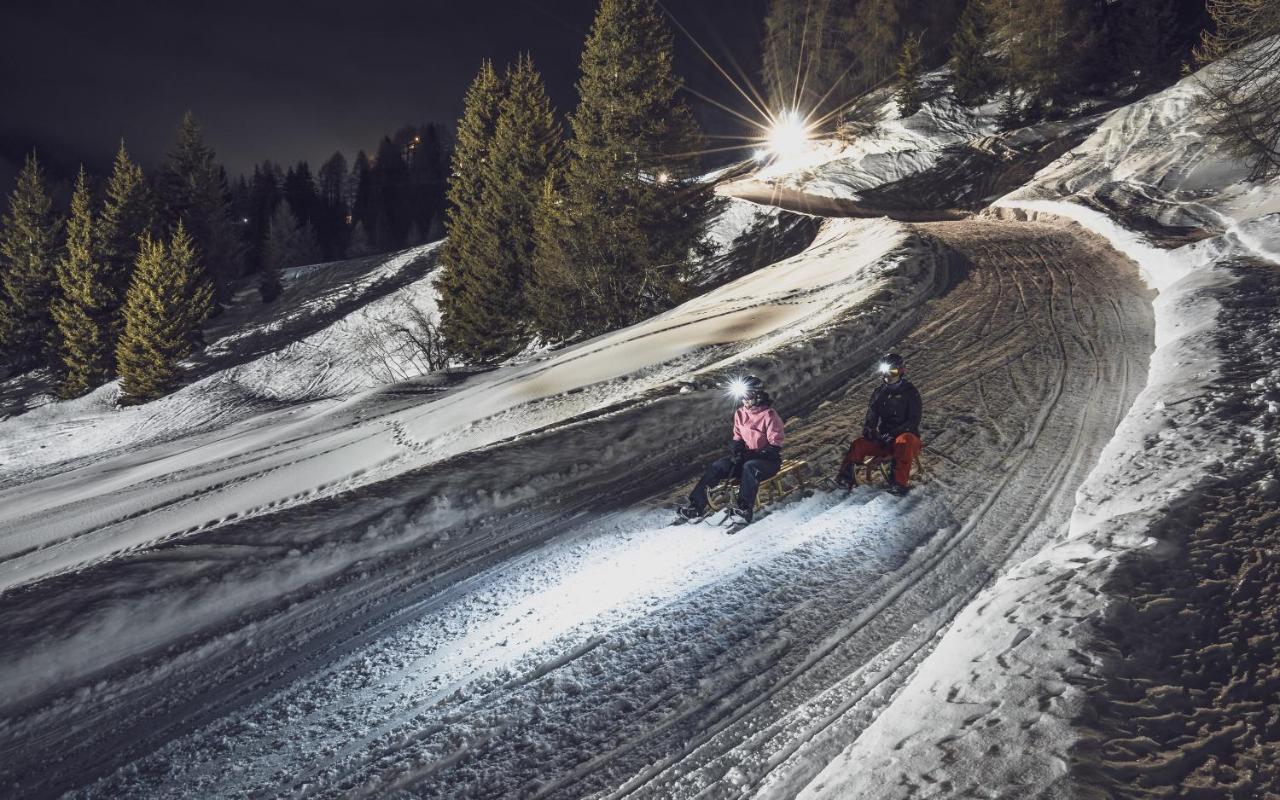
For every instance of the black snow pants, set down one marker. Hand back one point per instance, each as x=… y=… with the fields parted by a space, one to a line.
x=749 y=475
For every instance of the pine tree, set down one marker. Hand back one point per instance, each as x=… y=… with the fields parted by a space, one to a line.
x=910 y=92
x=555 y=310
x=1051 y=45
x=195 y=193
x=27 y=257
x=290 y=243
x=488 y=310
x=465 y=215
x=874 y=33
x=806 y=64
x=629 y=236
x=332 y=220
x=359 y=246
x=361 y=201
x=84 y=308
x=1147 y=39
x=128 y=212
x=264 y=196
x=973 y=67
x=169 y=298
x=389 y=194
x=1010 y=115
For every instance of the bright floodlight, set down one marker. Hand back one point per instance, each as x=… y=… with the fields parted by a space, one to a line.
x=787 y=135
x=737 y=388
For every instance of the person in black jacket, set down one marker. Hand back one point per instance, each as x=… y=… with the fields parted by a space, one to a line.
x=892 y=427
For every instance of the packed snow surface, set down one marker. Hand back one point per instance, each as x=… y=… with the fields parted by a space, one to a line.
x=346 y=584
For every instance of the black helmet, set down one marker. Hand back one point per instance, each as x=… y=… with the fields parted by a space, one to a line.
x=747 y=387
x=892 y=367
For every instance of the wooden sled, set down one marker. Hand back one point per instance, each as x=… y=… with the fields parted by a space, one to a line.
x=789 y=479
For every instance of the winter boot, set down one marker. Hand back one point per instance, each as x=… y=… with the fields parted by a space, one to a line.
x=688 y=513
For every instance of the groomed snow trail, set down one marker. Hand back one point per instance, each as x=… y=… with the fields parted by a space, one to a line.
x=627 y=658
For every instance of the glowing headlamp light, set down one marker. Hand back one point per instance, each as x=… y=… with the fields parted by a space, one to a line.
x=738 y=388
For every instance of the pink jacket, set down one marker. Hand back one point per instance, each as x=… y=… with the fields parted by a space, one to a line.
x=757 y=427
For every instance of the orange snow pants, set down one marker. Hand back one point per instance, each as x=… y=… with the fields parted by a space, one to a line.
x=905 y=449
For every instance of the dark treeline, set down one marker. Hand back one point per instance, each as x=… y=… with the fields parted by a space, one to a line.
x=121 y=282
x=374 y=204
x=1039 y=55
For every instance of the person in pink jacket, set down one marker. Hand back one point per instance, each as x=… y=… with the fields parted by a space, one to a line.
x=755 y=453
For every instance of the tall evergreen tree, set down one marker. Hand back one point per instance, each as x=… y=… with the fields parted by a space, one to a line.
x=875 y=35
x=1147 y=39
x=128 y=212
x=290 y=243
x=169 y=298
x=84 y=307
x=331 y=225
x=910 y=92
x=28 y=245
x=301 y=193
x=805 y=62
x=490 y=309
x=264 y=195
x=1051 y=45
x=359 y=244
x=634 y=219
x=361 y=200
x=389 y=194
x=195 y=193
x=971 y=62
x=465 y=216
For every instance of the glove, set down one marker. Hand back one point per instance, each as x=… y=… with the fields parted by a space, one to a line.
x=771 y=451
x=737 y=448
x=886 y=441
x=867 y=433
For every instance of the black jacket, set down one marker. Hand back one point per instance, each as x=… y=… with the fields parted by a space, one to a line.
x=894 y=409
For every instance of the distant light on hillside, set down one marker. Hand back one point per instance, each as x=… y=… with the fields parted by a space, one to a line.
x=787 y=135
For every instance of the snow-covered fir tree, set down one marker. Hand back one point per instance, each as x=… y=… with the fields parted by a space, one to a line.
x=632 y=218
x=28 y=252
x=84 y=306
x=195 y=193
x=129 y=210
x=910 y=90
x=972 y=64
x=169 y=298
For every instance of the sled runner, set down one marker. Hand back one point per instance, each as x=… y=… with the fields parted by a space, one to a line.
x=789 y=479
x=883 y=466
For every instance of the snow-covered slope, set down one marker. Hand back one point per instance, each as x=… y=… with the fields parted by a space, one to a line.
x=1208 y=422
x=458 y=585
x=335 y=329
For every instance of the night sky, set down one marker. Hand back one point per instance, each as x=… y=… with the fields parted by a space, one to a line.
x=299 y=80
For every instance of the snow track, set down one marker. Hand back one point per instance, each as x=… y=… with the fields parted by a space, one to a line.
x=574 y=646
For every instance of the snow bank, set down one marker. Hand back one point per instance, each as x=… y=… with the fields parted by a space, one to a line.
x=893 y=149
x=1024 y=643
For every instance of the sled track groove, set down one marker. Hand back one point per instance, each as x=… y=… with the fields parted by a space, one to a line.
x=782 y=645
